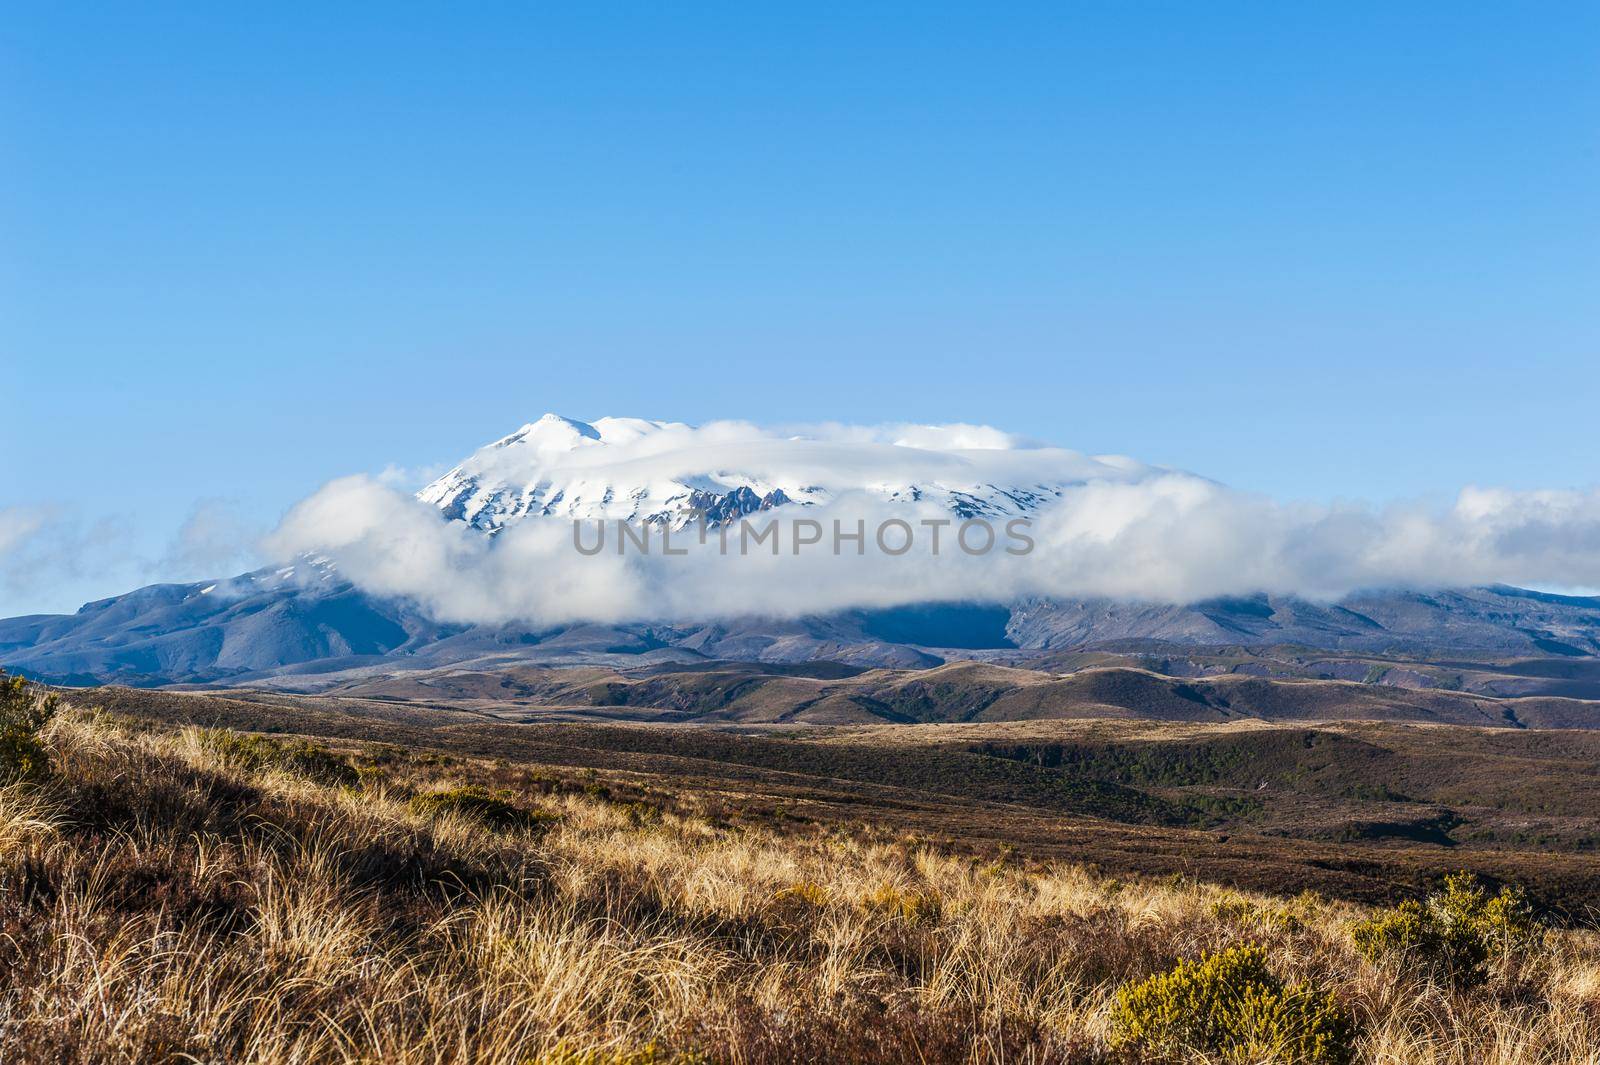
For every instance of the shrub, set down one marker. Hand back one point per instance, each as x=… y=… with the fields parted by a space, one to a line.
x=479 y=804
x=1457 y=936
x=641 y=814
x=299 y=757
x=913 y=907
x=1281 y=918
x=1404 y=933
x=1230 y=1005
x=25 y=709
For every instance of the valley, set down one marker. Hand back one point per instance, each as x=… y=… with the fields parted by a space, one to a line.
x=1366 y=810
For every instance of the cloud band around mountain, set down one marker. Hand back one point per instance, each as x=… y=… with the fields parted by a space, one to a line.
x=1113 y=528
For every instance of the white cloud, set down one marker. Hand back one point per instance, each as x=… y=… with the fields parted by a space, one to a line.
x=213 y=541
x=409 y=477
x=18 y=525
x=957 y=436
x=1120 y=529
x=44 y=546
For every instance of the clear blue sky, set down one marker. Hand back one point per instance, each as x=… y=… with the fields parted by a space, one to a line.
x=1314 y=250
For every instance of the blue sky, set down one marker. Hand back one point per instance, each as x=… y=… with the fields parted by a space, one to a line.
x=1315 y=251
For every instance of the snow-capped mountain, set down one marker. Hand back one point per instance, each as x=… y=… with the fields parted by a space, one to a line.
x=314 y=616
x=669 y=473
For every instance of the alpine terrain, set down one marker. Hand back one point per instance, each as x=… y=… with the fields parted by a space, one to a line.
x=304 y=624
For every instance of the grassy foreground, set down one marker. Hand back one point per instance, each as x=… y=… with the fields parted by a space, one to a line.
x=179 y=895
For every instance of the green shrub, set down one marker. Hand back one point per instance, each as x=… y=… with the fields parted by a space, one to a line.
x=299 y=757
x=1229 y=1005
x=25 y=709
x=1457 y=936
x=640 y=814
x=1405 y=933
x=1281 y=918
x=479 y=804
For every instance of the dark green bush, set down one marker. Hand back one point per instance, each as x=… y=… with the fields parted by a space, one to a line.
x=480 y=804
x=1458 y=936
x=25 y=709
x=1230 y=1005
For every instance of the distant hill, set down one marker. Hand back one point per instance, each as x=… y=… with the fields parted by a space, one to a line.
x=306 y=621
x=958 y=692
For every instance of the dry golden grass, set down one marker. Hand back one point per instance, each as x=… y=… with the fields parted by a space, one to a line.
x=159 y=903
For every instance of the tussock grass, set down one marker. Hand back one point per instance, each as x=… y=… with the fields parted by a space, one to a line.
x=176 y=896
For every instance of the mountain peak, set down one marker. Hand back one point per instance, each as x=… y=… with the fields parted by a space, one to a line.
x=551 y=432
x=553 y=418
x=670 y=474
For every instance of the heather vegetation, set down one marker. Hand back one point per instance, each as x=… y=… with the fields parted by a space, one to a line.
x=173 y=894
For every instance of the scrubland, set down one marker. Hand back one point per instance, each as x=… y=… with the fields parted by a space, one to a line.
x=177 y=894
